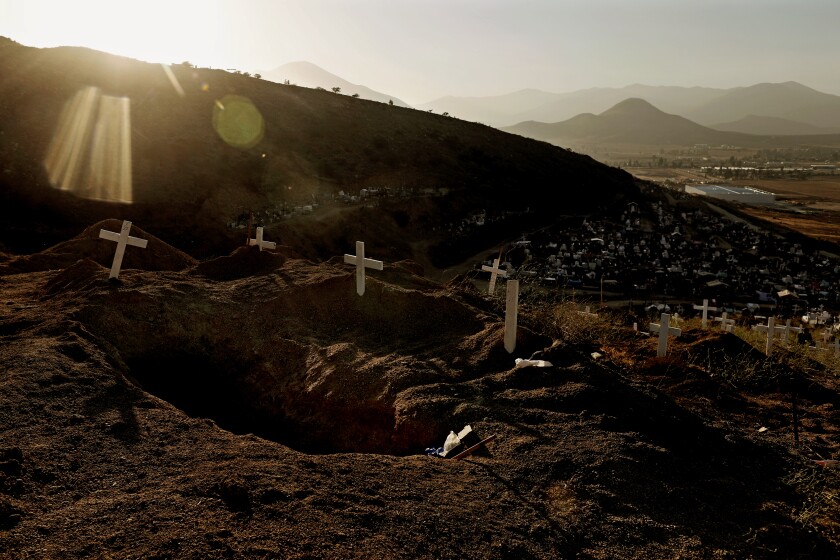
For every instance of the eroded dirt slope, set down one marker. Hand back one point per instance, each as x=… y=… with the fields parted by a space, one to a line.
x=257 y=407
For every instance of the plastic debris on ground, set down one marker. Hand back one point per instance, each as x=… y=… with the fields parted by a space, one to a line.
x=454 y=444
x=520 y=363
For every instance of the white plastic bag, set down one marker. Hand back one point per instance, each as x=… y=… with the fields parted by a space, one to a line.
x=451 y=441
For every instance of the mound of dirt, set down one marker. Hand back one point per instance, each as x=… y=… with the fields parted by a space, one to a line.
x=157 y=255
x=243 y=262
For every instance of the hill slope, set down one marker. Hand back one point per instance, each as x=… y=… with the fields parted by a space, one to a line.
x=268 y=411
x=188 y=183
x=306 y=74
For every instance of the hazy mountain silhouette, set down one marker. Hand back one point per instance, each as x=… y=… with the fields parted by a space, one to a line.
x=789 y=100
x=635 y=121
x=494 y=110
x=309 y=75
x=755 y=124
x=632 y=121
x=705 y=106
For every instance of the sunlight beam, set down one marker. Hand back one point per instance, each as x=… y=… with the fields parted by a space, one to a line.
x=90 y=152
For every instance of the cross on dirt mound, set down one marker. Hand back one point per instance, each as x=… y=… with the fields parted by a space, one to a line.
x=292 y=353
x=158 y=255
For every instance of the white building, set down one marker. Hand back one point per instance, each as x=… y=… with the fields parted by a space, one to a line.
x=747 y=195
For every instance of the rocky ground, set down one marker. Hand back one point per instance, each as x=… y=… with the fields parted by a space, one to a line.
x=254 y=406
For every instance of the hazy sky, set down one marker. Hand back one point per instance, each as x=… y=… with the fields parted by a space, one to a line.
x=418 y=50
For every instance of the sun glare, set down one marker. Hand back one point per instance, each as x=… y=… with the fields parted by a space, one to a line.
x=90 y=151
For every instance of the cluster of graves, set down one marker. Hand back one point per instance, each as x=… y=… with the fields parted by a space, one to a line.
x=771 y=330
x=651 y=254
x=361 y=263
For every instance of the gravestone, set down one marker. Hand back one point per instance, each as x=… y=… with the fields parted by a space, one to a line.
x=786 y=329
x=494 y=272
x=726 y=325
x=361 y=263
x=122 y=238
x=771 y=329
x=664 y=329
x=260 y=242
x=511 y=311
x=705 y=307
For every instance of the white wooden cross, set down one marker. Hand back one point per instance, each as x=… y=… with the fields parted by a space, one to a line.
x=494 y=271
x=705 y=307
x=122 y=238
x=770 y=328
x=836 y=346
x=826 y=336
x=725 y=324
x=259 y=241
x=664 y=329
x=511 y=311
x=361 y=262
x=786 y=330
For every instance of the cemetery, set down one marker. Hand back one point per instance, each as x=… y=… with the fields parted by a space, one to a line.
x=339 y=328
x=264 y=392
x=662 y=254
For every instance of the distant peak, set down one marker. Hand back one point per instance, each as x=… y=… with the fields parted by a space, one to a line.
x=632 y=104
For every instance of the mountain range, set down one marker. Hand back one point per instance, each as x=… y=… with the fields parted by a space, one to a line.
x=635 y=121
x=776 y=109
x=791 y=106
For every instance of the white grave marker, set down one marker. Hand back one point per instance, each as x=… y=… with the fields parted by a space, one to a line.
x=705 y=307
x=260 y=242
x=494 y=272
x=725 y=324
x=664 y=329
x=787 y=329
x=361 y=262
x=511 y=310
x=836 y=346
x=770 y=328
x=122 y=238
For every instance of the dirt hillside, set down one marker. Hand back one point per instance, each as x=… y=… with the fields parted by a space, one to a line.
x=256 y=407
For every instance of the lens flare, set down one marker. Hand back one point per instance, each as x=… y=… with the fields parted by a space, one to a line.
x=176 y=85
x=90 y=151
x=238 y=122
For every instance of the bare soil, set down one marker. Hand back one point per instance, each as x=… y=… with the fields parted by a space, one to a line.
x=255 y=407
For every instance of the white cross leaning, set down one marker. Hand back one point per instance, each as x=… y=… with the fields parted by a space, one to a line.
x=725 y=324
x=259 y=241
x=664 y=329
x=494 y=272
x=836 y=346
x=511 y=311
x=361 y=262
x=705 y=307
x=122 y=238
x=770 y=328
